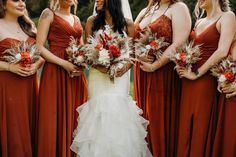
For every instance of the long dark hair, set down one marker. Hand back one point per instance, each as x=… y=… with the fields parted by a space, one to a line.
x=154 y=3
x=24 y=21
x=118 y=19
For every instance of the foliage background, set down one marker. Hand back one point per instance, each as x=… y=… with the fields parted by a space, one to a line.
x=85 y=7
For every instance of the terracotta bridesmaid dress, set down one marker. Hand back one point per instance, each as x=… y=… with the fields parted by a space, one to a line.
x=157 y=94
x=225 y=140
x=199 y=102
x=18 y=98
x=59 y=95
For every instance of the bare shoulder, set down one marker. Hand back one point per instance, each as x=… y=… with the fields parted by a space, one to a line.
x=77 y=18
x=229 y=15
x=179 y=7
x=47 y=14
x=91 y=19
x=143 y=11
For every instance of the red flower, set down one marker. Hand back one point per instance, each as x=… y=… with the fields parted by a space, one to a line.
x=107 y=37
x=229 y=76
x=182 y=60
x=25 y=58
x=98 y=46
x=154 y=44
x=114 y=51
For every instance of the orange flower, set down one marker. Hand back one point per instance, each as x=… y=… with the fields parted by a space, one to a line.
x=25 y=55
x=98 y=46
x=182 y=59
x=229 y=76
x=25 y=59
x=154 y=44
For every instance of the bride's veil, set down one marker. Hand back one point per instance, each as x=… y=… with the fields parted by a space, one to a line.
x=125 y=8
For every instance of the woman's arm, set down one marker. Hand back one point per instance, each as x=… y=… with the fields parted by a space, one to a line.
x=130 y=33
x=227 y=31
x=43 y=29
x=181 y=25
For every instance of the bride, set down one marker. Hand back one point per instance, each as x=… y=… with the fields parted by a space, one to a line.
x=110 y=124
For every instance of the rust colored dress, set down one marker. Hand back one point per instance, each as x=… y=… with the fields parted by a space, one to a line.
x=59 y=95
x=157 y=94
x=199 y=102
x=225 y=140
x=18 y=98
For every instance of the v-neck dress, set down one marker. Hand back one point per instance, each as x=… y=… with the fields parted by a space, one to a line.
x=198 y=105
x=157 y=94
x=59 y=95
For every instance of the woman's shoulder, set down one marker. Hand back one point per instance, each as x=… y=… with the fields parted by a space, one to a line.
x=179 y=6
x=228 y=15
x=47 y=14
x=91 y=19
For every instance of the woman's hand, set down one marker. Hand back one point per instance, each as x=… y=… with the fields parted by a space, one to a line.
x=101 y=68
x=146 y=58
x=147 y=67
x=33 y=68
x=183 y=72
x=229 y=90
x=121 y=71
x=71 y=69
x=19 y=70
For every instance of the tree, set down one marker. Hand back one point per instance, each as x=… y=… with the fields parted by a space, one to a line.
x=85 y=8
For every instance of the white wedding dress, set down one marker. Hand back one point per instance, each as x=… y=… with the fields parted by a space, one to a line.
x=110 y=124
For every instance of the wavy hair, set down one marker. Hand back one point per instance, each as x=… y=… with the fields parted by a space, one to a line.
x=55 y=5
x=26 y=24
x=223 y=4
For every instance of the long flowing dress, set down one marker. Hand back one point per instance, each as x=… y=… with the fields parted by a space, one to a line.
x=59 y=95
x=110 y=124
x=158 y=94
x=225 y=139
x=18 y=102
x=198 y=106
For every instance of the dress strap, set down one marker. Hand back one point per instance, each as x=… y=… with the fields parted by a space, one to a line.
x=212 y=23
x=166 y=9
x=51 y=10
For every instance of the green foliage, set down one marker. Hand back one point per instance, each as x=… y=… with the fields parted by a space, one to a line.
x=85 y=8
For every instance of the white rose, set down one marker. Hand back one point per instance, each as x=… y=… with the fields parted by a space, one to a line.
x=148 y=47
x=177 y=56
x=104 y=57
x=18 y=56
x=74 y=48
x=222 y=78
x=80 y=59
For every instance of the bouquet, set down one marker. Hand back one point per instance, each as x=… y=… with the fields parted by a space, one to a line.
x=225 y=71
x=109 y=49
x=149 y=44
x=186 y=55
x=22 y=53
x=76 y=52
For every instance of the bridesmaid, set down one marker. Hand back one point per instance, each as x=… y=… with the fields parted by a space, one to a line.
x=18 y=85
x=156 y=84
x=198 y=106
x=225 y=140
x=63 y=86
